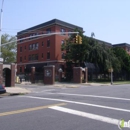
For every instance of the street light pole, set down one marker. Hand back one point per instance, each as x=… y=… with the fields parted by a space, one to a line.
x=111 y=78
x=1 y=25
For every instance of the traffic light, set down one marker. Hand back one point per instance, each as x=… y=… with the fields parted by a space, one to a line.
x=77 y=39
x=80 y=40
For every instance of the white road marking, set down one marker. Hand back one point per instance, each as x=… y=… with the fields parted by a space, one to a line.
x=81 y=103
x=95 y=96
x=87 y=115
x=44 y=91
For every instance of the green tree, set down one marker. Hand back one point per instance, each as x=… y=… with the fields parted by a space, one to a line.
x=102 y=56
x=76 y=53
x=8 y=50
x=123 y=57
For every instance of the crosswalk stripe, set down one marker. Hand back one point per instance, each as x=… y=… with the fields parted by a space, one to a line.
x=87 y=115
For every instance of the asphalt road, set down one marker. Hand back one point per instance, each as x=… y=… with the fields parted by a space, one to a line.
x=83 y=108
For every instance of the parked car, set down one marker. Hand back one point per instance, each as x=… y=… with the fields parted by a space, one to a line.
x=2 y=89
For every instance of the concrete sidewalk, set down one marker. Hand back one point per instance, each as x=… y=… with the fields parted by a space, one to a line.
x=18 y=89
x=68 y=85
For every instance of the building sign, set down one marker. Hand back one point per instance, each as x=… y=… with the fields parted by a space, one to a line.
x=48 y=73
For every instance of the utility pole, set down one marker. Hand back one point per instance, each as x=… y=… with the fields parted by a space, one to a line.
x=111 y=74
x=1 y=59
x=111 y=77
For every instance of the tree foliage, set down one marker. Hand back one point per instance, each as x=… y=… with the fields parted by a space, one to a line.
x=123 y=57
x=8 y=50
x=102 y=56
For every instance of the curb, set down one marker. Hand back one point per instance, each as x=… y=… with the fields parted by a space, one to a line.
x=12 y=94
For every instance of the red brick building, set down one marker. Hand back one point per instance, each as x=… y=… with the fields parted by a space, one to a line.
x=45 y=50
x=125 y=46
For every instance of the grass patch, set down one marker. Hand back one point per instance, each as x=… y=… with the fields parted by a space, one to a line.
x=114 y=82
x=121 y=82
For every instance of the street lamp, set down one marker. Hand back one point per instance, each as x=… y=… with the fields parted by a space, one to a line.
x=1 y=59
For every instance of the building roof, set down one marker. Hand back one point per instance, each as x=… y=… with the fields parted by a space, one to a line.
x=51 y=22
x=106 y=43
x=121 y=45
x=101 y=42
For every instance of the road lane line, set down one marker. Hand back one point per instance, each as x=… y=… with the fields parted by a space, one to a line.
x=87 y=115
x=29 y=109
x=95 y=96
x=47 y=90
x=81 y=103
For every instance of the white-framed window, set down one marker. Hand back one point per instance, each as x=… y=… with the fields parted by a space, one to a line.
x=62 y=31
x=62 y=42
x=69 y=33
x=33 y=46
x=48 y=30
x=36 y=45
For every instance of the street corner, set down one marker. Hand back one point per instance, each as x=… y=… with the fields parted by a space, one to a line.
x=17 y=91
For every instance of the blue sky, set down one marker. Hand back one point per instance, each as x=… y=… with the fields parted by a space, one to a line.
x=108 y=19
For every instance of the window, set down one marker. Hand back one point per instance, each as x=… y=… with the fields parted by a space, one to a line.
x=33 y=57
x=48 y=43
x=42 y=55
x=36 y=45
x=20 y=59
x=21 y=39
x=69 y=34
x=33 y=36
x=42 y=43
x=62 y=31
x=128 y=49
x=33 y=46
x=25 y=47
x=30 y=47
x=62 y=42
x=48 y=55
x=24 y=57
x=29 y=57
x=48 y=30
x=20 y=49
x=36 y=33
x=36 y=57
x=20 y=69
x=30 y=36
